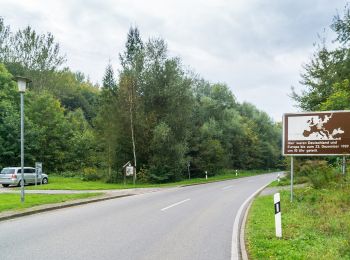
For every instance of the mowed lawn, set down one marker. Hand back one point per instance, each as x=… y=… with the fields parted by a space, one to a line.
x=75 y=183
x=315 y=226
x=11 y=201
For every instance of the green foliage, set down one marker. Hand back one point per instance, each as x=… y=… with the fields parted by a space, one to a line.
x=58 y=139
x=168 y=156
x=67 y=174
x=153 y=113
x=143 y=176
x=9 y=118
x=29 y=49
x=106 y=125
x=340 y=97
x=82 y=145
x=320 y=173
x=326 y=76
x=90 y=174
x=53 y=132
x=315 y=225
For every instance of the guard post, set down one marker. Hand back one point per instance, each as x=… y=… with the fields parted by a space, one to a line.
x=278 y=217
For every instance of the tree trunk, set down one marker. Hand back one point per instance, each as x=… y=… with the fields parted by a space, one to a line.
x=132 y=129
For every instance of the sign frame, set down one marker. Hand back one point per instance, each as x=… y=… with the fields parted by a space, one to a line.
x=128 y=170
x=38 y=172
x=284 y=130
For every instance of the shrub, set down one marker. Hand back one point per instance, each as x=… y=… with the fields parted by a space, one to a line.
x=68 y=174
x=115 y=177
x=90 y=174
x=143 y=176
x=319 y=173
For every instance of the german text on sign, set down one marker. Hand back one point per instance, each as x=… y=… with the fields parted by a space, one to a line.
x=318 y=133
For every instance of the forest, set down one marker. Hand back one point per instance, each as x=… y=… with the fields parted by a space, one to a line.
x=153 y=112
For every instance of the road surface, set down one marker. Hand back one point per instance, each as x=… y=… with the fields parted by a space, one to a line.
x=193 y=222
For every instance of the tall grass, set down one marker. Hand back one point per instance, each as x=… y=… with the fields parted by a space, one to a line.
x=315 y=226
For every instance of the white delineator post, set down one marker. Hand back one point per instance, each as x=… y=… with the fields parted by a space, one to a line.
x=278 y=221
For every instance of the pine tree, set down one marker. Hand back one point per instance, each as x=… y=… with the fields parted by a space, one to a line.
x=106 y=120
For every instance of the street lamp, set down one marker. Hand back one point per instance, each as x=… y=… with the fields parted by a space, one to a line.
x=22 y=84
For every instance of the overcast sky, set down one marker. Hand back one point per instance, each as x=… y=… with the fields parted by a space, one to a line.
x=256 y=47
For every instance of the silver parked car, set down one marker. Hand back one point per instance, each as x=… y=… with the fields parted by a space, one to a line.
x=13 y=176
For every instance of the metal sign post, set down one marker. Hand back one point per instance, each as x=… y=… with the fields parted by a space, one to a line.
x=344 y=166
x=22 y=85
x=291 y=177
x=134 y=176
x=188 y=169
x=22 y=147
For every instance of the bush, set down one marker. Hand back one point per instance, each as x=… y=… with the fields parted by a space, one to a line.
x=319 y=173
x=143 y=176
x=90 y=174
x=115 y=177
x=68 y=174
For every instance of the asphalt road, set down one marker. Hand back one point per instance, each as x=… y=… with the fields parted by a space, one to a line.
x=193 y=222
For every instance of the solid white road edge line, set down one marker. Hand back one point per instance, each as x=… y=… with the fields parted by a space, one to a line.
x=235 y=230
x=175 y=204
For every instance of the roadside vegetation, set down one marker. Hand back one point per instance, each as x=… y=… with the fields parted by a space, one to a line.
x=153 y=112
x=12 y=201
x=76 y=183
x=315 y=225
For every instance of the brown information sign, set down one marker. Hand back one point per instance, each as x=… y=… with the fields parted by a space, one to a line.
x=318 y=133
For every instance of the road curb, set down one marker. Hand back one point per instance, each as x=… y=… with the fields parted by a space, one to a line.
x=244 y=253
x=236 y=246
x=50 y=207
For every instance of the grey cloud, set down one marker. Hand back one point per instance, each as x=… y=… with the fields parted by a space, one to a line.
x=255 y=46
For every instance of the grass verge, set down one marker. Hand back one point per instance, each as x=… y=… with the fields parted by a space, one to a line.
x=315 y=226
x=285 y=181
x=74 y=183
x=12 y=201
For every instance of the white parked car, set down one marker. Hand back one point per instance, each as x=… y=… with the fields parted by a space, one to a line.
x=13 y=176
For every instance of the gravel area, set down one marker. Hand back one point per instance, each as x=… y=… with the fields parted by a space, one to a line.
x=273 y=190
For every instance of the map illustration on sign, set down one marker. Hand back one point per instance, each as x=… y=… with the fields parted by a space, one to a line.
x=317 y=133
x=314 y=127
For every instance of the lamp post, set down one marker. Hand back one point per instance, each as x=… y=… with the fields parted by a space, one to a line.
x=22 y=84
x=188 y=169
